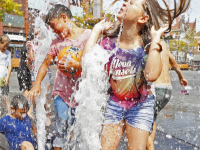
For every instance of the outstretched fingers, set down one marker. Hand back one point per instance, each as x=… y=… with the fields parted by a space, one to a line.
x=103 y=26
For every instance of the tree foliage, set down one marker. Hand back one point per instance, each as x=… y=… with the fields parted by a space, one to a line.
x=185 y=44
x=88 y=21
x=9 y=6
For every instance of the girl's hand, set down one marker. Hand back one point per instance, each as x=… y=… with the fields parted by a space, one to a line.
x=102 y=26
x=156 y=34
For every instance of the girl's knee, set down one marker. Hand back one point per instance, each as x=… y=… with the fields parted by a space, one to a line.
x=26 y=146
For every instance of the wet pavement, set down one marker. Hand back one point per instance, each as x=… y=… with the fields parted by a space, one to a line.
x=181 y=116
x=178 y=124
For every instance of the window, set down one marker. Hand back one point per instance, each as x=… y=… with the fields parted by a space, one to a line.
x=13 y=20
x=16 y=21
x=10 y=20
x=21 y=21
x=5 y=20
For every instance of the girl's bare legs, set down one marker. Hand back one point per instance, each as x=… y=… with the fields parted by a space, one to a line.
x=111 y=135
x=150 y=142
x=137 y=138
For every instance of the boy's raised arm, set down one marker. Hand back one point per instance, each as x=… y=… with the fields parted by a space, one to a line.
x=40 y=76
x=9 y=69
x=176 y=67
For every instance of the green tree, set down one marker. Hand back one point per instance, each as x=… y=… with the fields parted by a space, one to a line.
x=9 y=6
x=88 y=21
x=184 y=45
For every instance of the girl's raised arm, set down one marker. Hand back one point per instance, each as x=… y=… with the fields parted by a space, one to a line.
x=97 y=30
x=154 y=64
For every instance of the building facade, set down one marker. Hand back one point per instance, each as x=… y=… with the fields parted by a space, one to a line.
x=17 y=27
x=180 y=28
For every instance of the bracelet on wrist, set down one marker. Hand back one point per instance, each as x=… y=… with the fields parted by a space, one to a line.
x=160 y=46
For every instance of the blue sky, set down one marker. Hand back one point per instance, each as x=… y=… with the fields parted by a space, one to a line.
x=193 y=12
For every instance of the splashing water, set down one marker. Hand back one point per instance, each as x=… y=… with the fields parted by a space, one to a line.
x=92 y=97
x=44 y=40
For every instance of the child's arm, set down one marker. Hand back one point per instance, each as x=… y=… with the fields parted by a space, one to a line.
x=97 y=30
x=40 y=76
x=176 y=67
x=29 y=55
x=9 y=70
x=154 y=64
x=8 y=76
x=33 y=129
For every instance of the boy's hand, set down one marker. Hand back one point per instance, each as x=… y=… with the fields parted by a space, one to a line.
x=36 y=89
x=102 y=26
x=183 y=82
x=69 y=66
x=156 y=34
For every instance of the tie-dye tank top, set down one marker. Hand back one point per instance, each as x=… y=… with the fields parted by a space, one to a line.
x=125 y=67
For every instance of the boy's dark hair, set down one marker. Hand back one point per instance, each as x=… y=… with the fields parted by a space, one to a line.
x=19 y=100
x=56 y=11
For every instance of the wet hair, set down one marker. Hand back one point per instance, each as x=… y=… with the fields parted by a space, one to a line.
x=159 y=16
x=19 y=100
x=4 y=39
x=56 y=11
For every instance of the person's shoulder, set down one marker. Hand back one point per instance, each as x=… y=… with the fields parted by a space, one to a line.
x=27 y=118
x=85 y=33
x=7 y=52
x=5 y=118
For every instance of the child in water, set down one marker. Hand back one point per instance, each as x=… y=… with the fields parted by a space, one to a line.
x=5 y=68
x=163 y=89
x=131 y=102
x=69 y=35
x=17 y=127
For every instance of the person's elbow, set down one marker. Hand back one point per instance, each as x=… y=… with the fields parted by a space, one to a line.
x=151 y=76
x=150 y=79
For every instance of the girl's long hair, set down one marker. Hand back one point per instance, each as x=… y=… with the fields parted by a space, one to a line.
x=159 y=16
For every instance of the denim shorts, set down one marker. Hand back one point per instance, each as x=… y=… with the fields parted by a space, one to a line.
x=63 y=119
x=163 y=95
x=140 y=116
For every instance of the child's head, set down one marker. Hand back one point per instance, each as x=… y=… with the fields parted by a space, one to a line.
x=58 y=18
x=4 y=42
x=19 y=106
x=146 y=13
